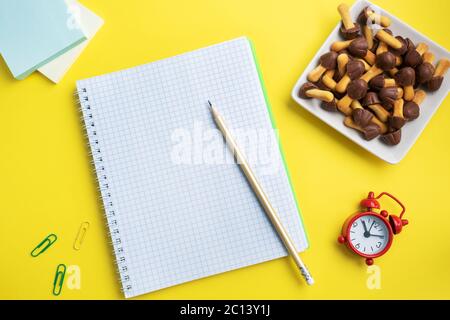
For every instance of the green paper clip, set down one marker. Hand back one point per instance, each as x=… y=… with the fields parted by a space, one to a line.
x=59 y=279
x=44 y=245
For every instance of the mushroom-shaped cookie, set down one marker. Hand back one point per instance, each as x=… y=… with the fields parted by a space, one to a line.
x=380 y=82
x=374 y=120
x=392 y=138
x=397 y=120
x=376 y=43
x=358 y=47
x=328 y=81
x=371 y=73
x=340 y=46
x=393 y=72
x=372 y=102
x=356 y=90
x=368 y=34
x=388 y=96
x=355 y=69
x=406 y=77
x=411 y=110
x=409 y=44
x=368 y=15
x=361 y=116
x=438 y=77
x=371 y=131
x=387 y=38
x=414 y=56
x=383 y=127
x=349 y=30
x=310 y=90
x=366 y=65
x=343 y=105
x=425 y=71
x=403 y=49
x=385 y=59
x=329 y=106
x=342 y=61
x=326 y=62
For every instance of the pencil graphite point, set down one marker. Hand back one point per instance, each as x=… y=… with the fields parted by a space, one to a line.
x=212 y=108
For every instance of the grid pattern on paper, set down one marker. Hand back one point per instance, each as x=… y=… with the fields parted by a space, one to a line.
x=180 y=222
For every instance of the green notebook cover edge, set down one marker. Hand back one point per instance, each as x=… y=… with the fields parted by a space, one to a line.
x=25 y=74
x=272 y=119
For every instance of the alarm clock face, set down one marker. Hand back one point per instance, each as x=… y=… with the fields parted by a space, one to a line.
x=369 y=235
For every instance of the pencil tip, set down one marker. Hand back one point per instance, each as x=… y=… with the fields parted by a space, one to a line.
x=210 y=104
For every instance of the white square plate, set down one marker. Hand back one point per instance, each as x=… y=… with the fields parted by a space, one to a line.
x=412 y=130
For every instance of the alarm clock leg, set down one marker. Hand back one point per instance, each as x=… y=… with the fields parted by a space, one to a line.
x=369 y=261
x=341 y=239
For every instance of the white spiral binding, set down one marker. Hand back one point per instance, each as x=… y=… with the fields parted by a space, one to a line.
x=103 y=187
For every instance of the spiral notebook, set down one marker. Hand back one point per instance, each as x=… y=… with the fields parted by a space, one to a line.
x=176 y=211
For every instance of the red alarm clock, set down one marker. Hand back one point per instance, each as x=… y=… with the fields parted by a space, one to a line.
x=369 y=233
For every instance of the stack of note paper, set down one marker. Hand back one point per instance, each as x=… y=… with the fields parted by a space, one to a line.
x=44 y=35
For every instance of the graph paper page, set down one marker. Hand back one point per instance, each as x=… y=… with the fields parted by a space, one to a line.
x=175 y=218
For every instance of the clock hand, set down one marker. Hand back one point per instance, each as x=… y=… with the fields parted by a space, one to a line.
x=366 y=232
x=377 y=235
x=364 y=226
x=371 y=226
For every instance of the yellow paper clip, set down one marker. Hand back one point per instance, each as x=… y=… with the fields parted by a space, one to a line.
x=44 y=245
x=81 y=235
x=59 y=279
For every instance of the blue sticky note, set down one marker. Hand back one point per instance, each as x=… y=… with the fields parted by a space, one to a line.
x=34 y=32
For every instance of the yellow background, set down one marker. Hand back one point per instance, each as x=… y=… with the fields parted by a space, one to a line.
x=46 y=183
